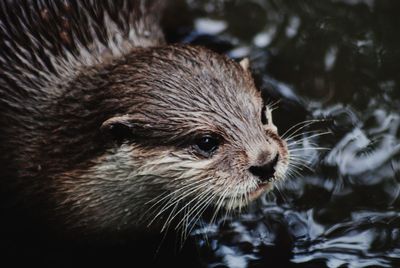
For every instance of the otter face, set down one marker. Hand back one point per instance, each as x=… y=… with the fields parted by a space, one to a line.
x=196 y=134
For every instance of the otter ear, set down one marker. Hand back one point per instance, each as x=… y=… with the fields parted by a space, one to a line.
x=119 y=127
x=245 y=63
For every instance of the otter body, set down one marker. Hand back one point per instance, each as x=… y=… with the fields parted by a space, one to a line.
x=106 y=128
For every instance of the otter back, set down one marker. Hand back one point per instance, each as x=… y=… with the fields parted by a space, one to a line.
x=45 y=41
x=44 y=45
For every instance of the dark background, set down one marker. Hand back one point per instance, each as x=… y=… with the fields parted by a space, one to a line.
x=334 y=60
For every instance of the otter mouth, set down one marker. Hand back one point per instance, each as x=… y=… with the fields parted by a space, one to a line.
x=245 y=198
x=261 y=188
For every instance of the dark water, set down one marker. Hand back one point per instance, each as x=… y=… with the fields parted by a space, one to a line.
x=336 y=60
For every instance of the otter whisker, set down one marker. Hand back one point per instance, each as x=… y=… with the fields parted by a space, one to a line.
x=196 y=217
x=284 y=197
x=303 y=144
x=299 y=163
x=307 y=137
x=180 y=195
x=273 y=105
x=295 y=167
x=198 y=199
x=304 y=141
x=241 y=203
x=301 y=166
x=309 y=145
x=310 y=148
x=230 y=204
x=223 y=202
x=300 y=159
x=235 y=206
x=172 y=215
x=165 y=227
x=291 y=175
x=305 y=134
x=232 y=200
x=176 y=199
x=293 y=170
x=301 y=126
x=198 y=209
x=220 y=202
x=185 y=232
x=169 y=194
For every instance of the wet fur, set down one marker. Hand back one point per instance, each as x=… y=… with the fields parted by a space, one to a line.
x=58 y=108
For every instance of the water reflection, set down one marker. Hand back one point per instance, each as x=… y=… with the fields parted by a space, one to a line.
x=335 y=60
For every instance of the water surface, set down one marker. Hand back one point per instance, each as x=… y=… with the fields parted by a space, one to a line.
x=336 y=61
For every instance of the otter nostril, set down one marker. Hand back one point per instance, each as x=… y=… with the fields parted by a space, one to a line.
x=265 y=171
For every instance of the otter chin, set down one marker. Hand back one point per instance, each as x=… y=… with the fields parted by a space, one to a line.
x=125 y=131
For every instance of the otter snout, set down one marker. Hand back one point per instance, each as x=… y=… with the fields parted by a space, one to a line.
x=266 y=170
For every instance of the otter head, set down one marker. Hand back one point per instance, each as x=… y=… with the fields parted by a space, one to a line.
x=190 y=132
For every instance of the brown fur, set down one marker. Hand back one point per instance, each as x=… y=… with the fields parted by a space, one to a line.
x=63 y=151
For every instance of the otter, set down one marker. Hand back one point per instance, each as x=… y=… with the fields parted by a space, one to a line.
x=107 y=128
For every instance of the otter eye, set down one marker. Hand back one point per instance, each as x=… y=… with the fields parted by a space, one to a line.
x=206 y=145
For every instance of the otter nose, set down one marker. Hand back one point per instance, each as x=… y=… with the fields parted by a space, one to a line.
x=265 y=171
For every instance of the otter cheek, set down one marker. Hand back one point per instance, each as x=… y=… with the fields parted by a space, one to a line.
x=221 y=176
